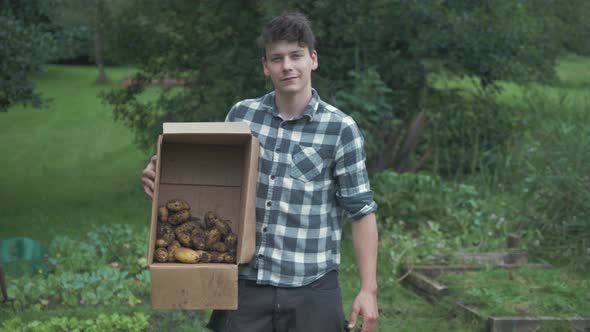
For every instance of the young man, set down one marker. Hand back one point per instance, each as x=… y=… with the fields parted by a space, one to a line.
x=311 y=168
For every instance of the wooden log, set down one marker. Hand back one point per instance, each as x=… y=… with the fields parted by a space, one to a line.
x=526 y=324
x=426 y=285
x=494 y=258
x=433 y=271
x=469 y=312
x=513 y=241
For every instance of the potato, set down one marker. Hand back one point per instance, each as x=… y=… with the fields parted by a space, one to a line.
x=205 y=257
x=229 y=258
x=184 y=238
x=163 y=229
x=179 y=217
x=186 y=227
x=199 y=222
x=163 y=213
x=231 y=241
x=199 y=240
x=213 y=236
x=171 y=248
x=160 y=243
x=210 y=218
x=219 y=247
x=188 y=256
x=161 y=255
x=217 y=257
x=176 y=205
x=165 y=232
x=223 y=226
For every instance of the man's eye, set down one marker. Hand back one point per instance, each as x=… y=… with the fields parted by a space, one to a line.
x=275 y=59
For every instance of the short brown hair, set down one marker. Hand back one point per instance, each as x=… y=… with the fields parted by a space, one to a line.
x=291 y=27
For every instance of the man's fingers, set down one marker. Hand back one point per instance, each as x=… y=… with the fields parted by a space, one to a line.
x=148 y=192
x=368 y=326
x=148 y=173
x=369 y=322
x=353 y=316
x=148 y=183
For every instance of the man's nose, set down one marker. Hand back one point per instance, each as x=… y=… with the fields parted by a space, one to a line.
x=287 y=65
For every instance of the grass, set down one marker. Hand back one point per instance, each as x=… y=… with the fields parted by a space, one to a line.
x=521 y=292
x=69 y=166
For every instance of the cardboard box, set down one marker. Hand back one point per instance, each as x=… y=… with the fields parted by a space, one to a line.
x=213 y=166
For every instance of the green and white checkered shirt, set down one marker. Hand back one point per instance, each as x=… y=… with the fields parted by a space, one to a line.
x=310 y=168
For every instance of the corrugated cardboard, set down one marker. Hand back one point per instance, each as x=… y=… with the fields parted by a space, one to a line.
x=213 y=166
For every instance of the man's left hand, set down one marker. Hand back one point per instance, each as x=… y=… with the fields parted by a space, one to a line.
x=365 y=305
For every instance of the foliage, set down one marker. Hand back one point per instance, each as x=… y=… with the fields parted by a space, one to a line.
x=117 y=244
x=205 y=43
x=113 y=322
x=468 y=135
x=30 y=34
x=420 y=201
x=22 y=52
x=402 y=41
x=122 y=244
x=104 y=286
x=549 y=171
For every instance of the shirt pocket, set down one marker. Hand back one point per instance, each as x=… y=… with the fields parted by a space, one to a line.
x=307 y=163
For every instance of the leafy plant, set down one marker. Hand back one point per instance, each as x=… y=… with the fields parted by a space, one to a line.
x=139 y=321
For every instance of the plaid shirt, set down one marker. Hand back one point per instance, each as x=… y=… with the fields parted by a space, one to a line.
x=310 y=168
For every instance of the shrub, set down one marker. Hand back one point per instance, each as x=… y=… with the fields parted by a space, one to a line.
x=420 y=201
x=139 y=321
x=550 y=172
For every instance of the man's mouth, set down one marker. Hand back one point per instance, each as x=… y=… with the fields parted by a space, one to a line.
x=290 y=78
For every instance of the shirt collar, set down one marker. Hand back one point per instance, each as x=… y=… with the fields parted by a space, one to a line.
x=269 y=104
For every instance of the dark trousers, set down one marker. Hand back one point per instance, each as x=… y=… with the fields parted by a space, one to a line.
x=261 y=308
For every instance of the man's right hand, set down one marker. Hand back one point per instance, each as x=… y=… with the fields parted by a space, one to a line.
x=149 y=177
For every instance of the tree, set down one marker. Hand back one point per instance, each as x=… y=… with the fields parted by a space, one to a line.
x=209 y=44
x=376 y=58
x=28 y=37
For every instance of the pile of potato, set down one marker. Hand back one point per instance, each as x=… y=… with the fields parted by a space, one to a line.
x=187 y=239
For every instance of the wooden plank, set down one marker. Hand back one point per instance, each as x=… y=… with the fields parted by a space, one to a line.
x=434 y=271
x=469 y=312
x=426 y=285
x=493 y=258
x=526 y=324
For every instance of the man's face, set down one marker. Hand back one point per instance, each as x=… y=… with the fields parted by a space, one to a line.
x=289 y=66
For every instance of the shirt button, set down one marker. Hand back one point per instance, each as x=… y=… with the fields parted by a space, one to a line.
x=278 y=150
x=264 y=229
x=272 y=177
x=260 y=256
x=268 y=203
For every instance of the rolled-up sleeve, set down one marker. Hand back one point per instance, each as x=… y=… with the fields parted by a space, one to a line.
x=354 y=191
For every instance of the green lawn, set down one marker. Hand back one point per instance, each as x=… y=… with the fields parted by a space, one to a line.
x=69 y=166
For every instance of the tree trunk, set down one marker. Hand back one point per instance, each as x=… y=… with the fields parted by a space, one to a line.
x=98 y=42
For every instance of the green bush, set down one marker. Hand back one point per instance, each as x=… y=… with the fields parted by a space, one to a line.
x=420 y=201
x=121 y=245
x=105 y=267
x=104 y=286
x=468 y=134
x=550 y=172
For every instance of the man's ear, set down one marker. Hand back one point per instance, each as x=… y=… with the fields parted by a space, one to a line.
x=264 y=67
x=314 y=59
